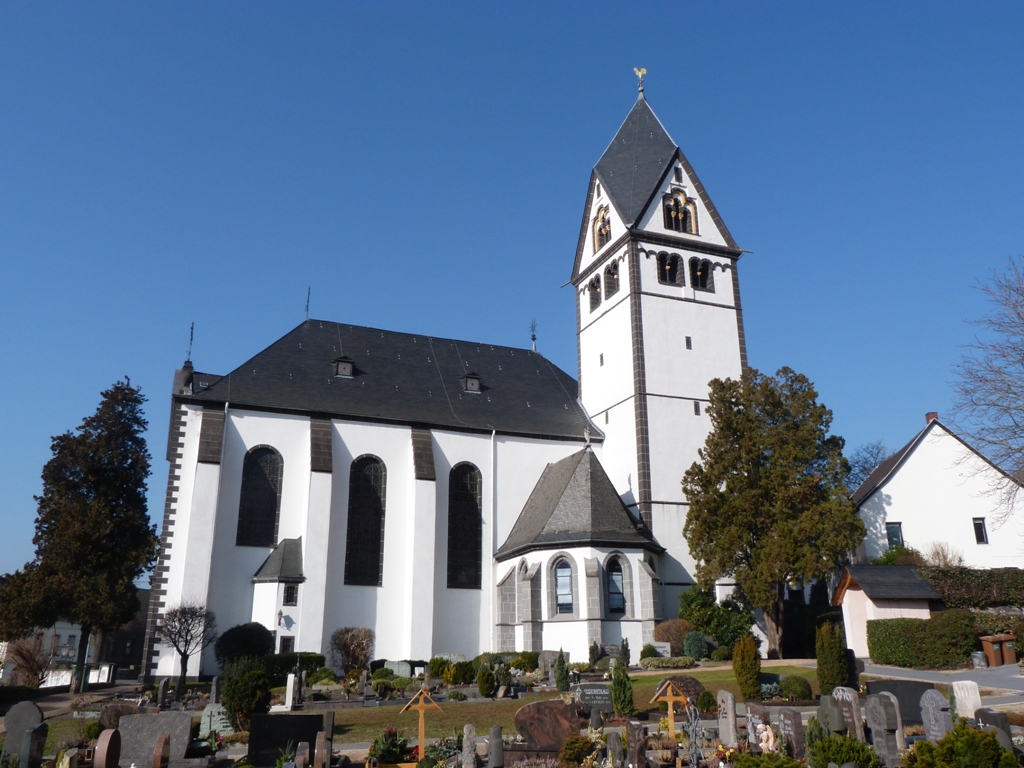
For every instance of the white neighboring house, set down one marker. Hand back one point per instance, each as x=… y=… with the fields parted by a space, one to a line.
x=60 y=642
x=459 y=496
x=938 y=490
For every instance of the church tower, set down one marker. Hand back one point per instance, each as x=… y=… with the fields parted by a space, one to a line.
x=658 y=316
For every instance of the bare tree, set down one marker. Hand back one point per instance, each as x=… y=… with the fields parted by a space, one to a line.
x=943 y=555
x=189 y=627
x=31 y=658
x=989 y=385
x=352 y=647
x=863 y=461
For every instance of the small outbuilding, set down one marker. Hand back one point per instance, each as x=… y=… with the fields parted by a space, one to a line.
x=868 y=592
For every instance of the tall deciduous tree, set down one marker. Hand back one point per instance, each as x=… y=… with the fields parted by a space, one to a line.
x=768 y=499
x=863 y=461
x=989 y=404
x=187 y=627
x=93 y=536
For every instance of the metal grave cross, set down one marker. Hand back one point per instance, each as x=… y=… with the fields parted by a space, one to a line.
x=672 y=695
x=421 y=702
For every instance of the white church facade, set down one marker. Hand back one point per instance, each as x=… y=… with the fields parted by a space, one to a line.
x=458 y=496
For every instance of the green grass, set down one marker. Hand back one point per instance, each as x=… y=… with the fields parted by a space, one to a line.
x=62 y=730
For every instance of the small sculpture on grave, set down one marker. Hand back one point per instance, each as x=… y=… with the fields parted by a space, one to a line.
x=766 y=738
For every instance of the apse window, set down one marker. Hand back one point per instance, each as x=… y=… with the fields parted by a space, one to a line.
x=980 y=532
x=563 y=587
x=894 y=534
x=291 y=594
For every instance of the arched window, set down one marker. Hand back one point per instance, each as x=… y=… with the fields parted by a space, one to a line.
x=611 y=279
x=563 y=587
x=680 y=213
x=602 y=229
x=701 y=277
x=669 y=269
x=464 y=527
x=594 y=286
x=364 y=544
x=260 y=500
x=616 y=592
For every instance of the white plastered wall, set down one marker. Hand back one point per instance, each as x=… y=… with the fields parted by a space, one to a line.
x=653 y=219
x=859 y=609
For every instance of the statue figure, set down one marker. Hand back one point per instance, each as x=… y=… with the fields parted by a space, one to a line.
x=766 y=738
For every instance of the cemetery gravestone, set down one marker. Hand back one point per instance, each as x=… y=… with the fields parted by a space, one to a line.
x=302 y=754
x=495 y=749
x=908 y=693
x=69 y=759
x=849 y=701
x=968 y=698
x=793 y=734
x=162 y=751
x=989 y=718
x=320 y=757
x=215 y=690
x=108 y=748
x=831 y=716
x=400 y=668
x=727 y=719
x=901 y=739
x=269 y=734
x=215 y=719
x=615 y=749
x=935 y=712
x=138 y=734
x=32 y=745
x=19 y=719
x=161 y=694
x=1004 y=740
x=545 y=725
x=881 y=714
x=636 y=742
x=756 y=715
x=469 y=746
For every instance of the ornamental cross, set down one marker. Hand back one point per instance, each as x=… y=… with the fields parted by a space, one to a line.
x=421 y=702
x=640 y=76
x=672 y=696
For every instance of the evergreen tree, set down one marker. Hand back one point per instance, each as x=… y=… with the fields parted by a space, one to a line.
x=561 y=673
x=830 y=648
x=93 y=536
x=622 y=689
x=595 y=654
x=624 y=653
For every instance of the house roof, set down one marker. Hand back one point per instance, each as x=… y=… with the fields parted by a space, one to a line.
x=403 y=378
x=283 y=565
x=574 y=504
x=885 y=582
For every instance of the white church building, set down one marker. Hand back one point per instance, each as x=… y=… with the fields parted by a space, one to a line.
x=457 y=496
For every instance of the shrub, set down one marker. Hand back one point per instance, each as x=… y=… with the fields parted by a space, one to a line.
x=246 y=691
x=724 y=653
x=603 y=664
x=579 y=666
x=561 y=673
x=388 y=747
x=941 y=642
x=726 y=622
x=92 y=730
x=668 y=662
x=624 y=657
x=900 y=556
x=352 y=647
x=249 y=640
x=438 y=665
x=280 y=665
x=770 y=760
x=502 y=676
x=706 y=702
x=595 y=653
x=384 y=673
x=698 y=607
x=526 y=661
x=622 y=692
x=485 y=681
x=427 y=762
x=575 y=750
x=963 y=746
x=648 y=652
x=456 y=696
x=977 y=587
x=839 y=750
x=673 y=632
x=797 y=687
x=770 y=691
x=324 y=675
x=746 y=666
x=460 y=673
x=830 y=649
x=695 y=646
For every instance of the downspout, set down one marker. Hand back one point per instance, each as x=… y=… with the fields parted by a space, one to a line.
x=492 y=596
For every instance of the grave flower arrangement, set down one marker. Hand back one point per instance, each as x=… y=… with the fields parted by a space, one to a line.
x=724 y=755
x=389 y=747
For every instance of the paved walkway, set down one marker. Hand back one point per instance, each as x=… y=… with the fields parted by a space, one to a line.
x=1006 y=680
x=57 y=704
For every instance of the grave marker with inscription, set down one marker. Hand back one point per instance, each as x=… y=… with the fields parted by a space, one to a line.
x=756 y=715
x=881 y=714
x=968 y=698
x=495 y=749
x=19 y=720
x=793 y=733
x=849 y=701
x=901 y=739
x=935 y=712
x=831 y=716
x=727 y=719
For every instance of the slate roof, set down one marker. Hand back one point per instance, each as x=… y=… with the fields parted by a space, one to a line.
x=574 y=504
x=886 y=582
x=404 y=378
x=283 y=565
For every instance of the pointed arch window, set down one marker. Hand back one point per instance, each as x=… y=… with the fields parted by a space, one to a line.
x=259 y=505
x=602 y=229
x=616 y=588
x=364 y=543
x=701 y=275
x=594 y=288
x=611 y=280
x=465 y=527
x=670 y=269
x=680 y=213
x=563 y=586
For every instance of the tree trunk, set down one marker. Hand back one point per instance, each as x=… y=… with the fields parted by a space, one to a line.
x=79 y=675
x=179 y=690
x=773 y=623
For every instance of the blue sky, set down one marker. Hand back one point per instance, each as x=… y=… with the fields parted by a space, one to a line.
x=423 y=167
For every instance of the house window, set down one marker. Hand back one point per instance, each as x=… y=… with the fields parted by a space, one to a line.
x=602 y=229
x=894 y=534
x=563 y=586
x=669 y=269
x=364 y=545
x=701 y=277
x=260 y=501
x=689 y=343
x=291 y=594
x=696 y=408
x=73 y=640
x=287 y=644
x=980 y=532
x=611 y=279
x=594 y=286
x=465 y=527
x=616 y=595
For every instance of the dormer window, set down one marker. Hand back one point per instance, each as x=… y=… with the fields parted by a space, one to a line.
x=471 y=383
x=602 y=229
x=680 y=213
x=343 y=368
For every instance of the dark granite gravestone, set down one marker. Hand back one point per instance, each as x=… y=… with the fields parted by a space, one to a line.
x=690 y=687
x=110 y=714
x=269 y=734
x=615 y=753
x=908 y=692
x=881 y=715
x=636 y=744
x=18 y=720
x=545 y=725
x=108 y=749
x=162 y=751
x=901 y=739
x=756 y=715
x=495 y=749
x=727 y=719
x=793 y=733
x=215 y=690
x=32 y=745
x=849 y=700
x=1004 y=741
x=990 y=717
x=140 y=732
x=596 y=696
x=936 y=715
x=320 y=757
x=831 y=716
x=161 y=694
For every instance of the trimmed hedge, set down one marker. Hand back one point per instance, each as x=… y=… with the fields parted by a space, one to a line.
x=964 y=587
x=944 y=641
x=668 y=662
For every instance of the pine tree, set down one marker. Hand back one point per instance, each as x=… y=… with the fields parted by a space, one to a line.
x=561 y=673
x=622 y=688
x=93 y=536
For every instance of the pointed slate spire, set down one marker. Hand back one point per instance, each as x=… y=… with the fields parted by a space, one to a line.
x=633 y=165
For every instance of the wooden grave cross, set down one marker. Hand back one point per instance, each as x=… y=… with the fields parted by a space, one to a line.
x=672 y=695
x=421 y=702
